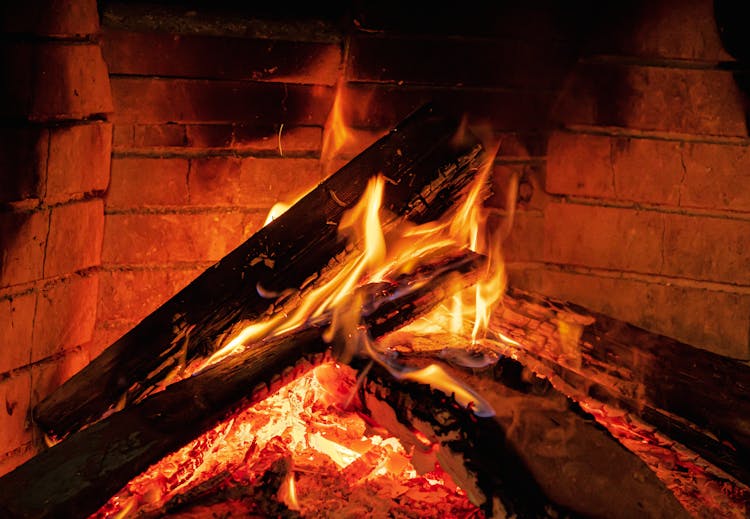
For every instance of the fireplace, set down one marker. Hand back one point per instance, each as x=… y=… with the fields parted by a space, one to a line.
x=142 y=143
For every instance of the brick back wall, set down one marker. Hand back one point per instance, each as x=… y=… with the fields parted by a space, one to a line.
x=623 y=125
x=55 y=152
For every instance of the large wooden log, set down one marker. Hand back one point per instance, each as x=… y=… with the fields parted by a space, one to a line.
x=576 y=465
x=76 y=476
x=678 y=393
x=473 y=449
x=426 y=167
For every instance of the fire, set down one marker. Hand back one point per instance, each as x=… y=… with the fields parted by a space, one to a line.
x=288 y=493
x=299 y=447
x=277 y=210
x=304 y=431
x=336 y=133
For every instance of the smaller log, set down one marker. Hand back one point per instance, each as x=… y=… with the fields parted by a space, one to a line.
x=678 y=393
x=77 y=476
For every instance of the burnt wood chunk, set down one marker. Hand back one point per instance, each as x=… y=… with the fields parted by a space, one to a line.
x=426 y=166
x=78 y=475
x=691 y=396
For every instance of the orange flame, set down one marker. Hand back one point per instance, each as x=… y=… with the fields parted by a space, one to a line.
x=378 y=258
x=288 y=492
x=336 y=133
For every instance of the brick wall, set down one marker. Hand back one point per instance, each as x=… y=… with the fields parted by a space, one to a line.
x=624 y=127
x=55 y=155
x=643 y=209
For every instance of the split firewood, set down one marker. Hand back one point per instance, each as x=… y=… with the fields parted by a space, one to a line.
x=682 y=409
x=75 y=477
x=427 y=168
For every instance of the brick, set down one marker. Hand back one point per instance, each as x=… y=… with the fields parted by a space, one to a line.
x=165 y=238
x=715 y=175
x=159 y=135
x=79 y=157
x=216 y=181
x=685 y=174
x=133 y=294
x=48 y=376
x=145 y=182
x=17 y=323
x=14 y=407
x=195 y=56
x=251 y=182
x=704 y=102
x=694 y=247
x=23 y=156
x=75 y=237
x=24 y=237
x=71 y=82
x=604 y=237
x=66 y=312
x=622 y=168
x=514 y=63
x=676 y=29
x=16 y=457
x=382 y=106
x=713 y=249
x=267 y=181
x=293 y=138
x=123 y=136
x=716 y=321
x=51 y=17
x=152 y=100
x=526 y=239
x=221 y=136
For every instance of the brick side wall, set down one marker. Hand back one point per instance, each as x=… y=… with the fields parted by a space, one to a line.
x=646 y=190
x=55 y=155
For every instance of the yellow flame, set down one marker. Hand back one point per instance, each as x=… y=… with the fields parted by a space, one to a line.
x=277 y=210
x=336 y=133
x=437 y=378
x=379 y=257
x=362 y=223
x=288 y=492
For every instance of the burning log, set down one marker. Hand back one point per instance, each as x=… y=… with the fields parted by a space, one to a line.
x=650 y=391
x=473 y=449
x=426 y=166
x=75 y=477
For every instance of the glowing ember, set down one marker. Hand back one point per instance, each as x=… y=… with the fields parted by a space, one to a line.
x=300 y=450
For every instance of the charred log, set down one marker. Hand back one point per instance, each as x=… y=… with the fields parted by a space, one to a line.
x=75 y=477
x=575 y=462
x=427 y=167
x=683 y=394
x=474 y=450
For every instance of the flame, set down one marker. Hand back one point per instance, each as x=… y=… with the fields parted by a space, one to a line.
x=437 y=378
x=379 y=257
x=288 y=492
x=336 y=133
x=276 y=210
